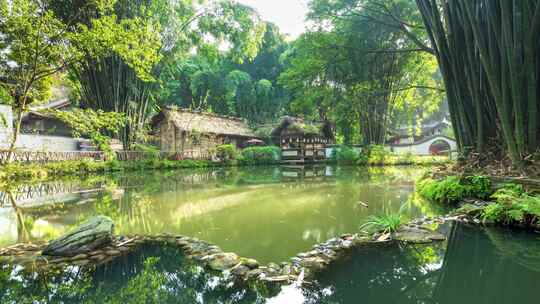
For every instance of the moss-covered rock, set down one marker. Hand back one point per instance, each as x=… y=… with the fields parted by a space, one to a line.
x=93 y=234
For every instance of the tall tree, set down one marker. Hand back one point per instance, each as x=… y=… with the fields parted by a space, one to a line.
x=358 y=71
x=36 y=43
x=176 y=28
x=488 y=55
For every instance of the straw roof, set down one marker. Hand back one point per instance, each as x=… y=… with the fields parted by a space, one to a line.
x=191 y=121
x=298 y=125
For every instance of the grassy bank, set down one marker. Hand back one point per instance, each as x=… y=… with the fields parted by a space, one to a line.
x=380 y=156
x=226 y=156
x=507 y=205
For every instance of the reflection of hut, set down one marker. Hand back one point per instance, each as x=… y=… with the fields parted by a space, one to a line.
x=194 y=134
x=303 y=142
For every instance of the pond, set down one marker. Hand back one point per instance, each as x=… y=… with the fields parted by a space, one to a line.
x=266 y=213
x=474 y=266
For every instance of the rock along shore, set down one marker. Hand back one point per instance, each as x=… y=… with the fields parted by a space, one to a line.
x=109 y=247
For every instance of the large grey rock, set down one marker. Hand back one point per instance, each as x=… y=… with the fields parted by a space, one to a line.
x=93 y=234
x=417 y=235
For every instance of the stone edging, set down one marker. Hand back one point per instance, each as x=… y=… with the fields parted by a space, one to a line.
x=212 y=257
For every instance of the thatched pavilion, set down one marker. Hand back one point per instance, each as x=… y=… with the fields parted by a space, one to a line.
x=301 y=141
x=195 y=134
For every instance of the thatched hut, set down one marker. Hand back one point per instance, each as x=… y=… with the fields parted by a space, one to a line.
x=301 y=141
x=195 y=134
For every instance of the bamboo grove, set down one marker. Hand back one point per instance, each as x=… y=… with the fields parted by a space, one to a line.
x=487 y=52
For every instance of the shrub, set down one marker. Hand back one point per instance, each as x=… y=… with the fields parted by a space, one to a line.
x=377 y=155
x=513 y=205
x=226 y=153
x=453 y=189
x=152 y=152
x=260 y=155
x=345 y=155
x=405 y=159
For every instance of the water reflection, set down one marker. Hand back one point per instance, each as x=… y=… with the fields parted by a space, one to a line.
x=256 y=212
x=473 y=266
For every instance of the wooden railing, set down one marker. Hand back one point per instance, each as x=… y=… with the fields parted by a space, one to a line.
x=43 y=157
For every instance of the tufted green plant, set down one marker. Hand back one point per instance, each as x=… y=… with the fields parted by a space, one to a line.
x=452 y=189
x=386 y=222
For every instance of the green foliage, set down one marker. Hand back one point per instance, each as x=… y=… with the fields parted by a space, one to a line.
x=146 y=287
x=386 y=222
x=345 y=155
x=226 y=153
x=65 y=35
x=513 y=205
x=377 y=155
x=152 y=152
x=453 y=189
x=357 y=66
x=260 y=156
x=94 y=124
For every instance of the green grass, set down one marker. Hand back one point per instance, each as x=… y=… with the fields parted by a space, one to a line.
x=386 y=222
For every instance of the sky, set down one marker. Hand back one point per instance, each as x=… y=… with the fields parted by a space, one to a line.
x=288 y=15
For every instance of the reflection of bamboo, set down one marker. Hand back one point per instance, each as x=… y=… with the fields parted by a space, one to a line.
x=22 y=232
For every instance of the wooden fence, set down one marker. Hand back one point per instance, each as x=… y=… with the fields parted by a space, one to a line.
x=44 y=157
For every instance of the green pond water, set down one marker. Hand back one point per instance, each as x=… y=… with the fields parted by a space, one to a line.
x=269 y=214
x=474 y=266
x=266 y=213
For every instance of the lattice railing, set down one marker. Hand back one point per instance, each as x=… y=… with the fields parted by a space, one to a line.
x=43 y=157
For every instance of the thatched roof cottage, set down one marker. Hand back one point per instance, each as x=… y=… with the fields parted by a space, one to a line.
x=196 y=133
x=301 y=141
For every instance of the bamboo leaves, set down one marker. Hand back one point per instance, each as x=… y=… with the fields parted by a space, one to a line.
x=488 y=53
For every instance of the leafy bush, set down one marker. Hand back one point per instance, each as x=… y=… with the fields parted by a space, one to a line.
x=226 y=153
x=149 y=150
x=453 y=189
x=513 y=205
x=377 y=155
x=260 y=155
x=405 y=159
x=345 y=155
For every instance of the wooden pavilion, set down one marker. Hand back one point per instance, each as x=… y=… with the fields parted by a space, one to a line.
x=303 y=142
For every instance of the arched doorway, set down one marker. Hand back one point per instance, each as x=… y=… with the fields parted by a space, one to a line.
x=439 y=147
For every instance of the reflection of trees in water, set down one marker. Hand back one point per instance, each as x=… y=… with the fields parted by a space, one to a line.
x=474 y=271
x=386 y=273
x=478 y=266
x=150 y=275
x=522 y=248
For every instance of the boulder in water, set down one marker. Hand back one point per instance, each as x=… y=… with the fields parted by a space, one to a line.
x=93 y=234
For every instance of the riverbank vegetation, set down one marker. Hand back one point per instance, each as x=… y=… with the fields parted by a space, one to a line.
x=508 y=204
x=377 y=155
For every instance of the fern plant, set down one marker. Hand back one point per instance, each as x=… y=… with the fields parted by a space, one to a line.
x=513 y=205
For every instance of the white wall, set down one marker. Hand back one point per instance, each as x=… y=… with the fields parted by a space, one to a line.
x=421 y=148
x=31 y=141
x=47 y=143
